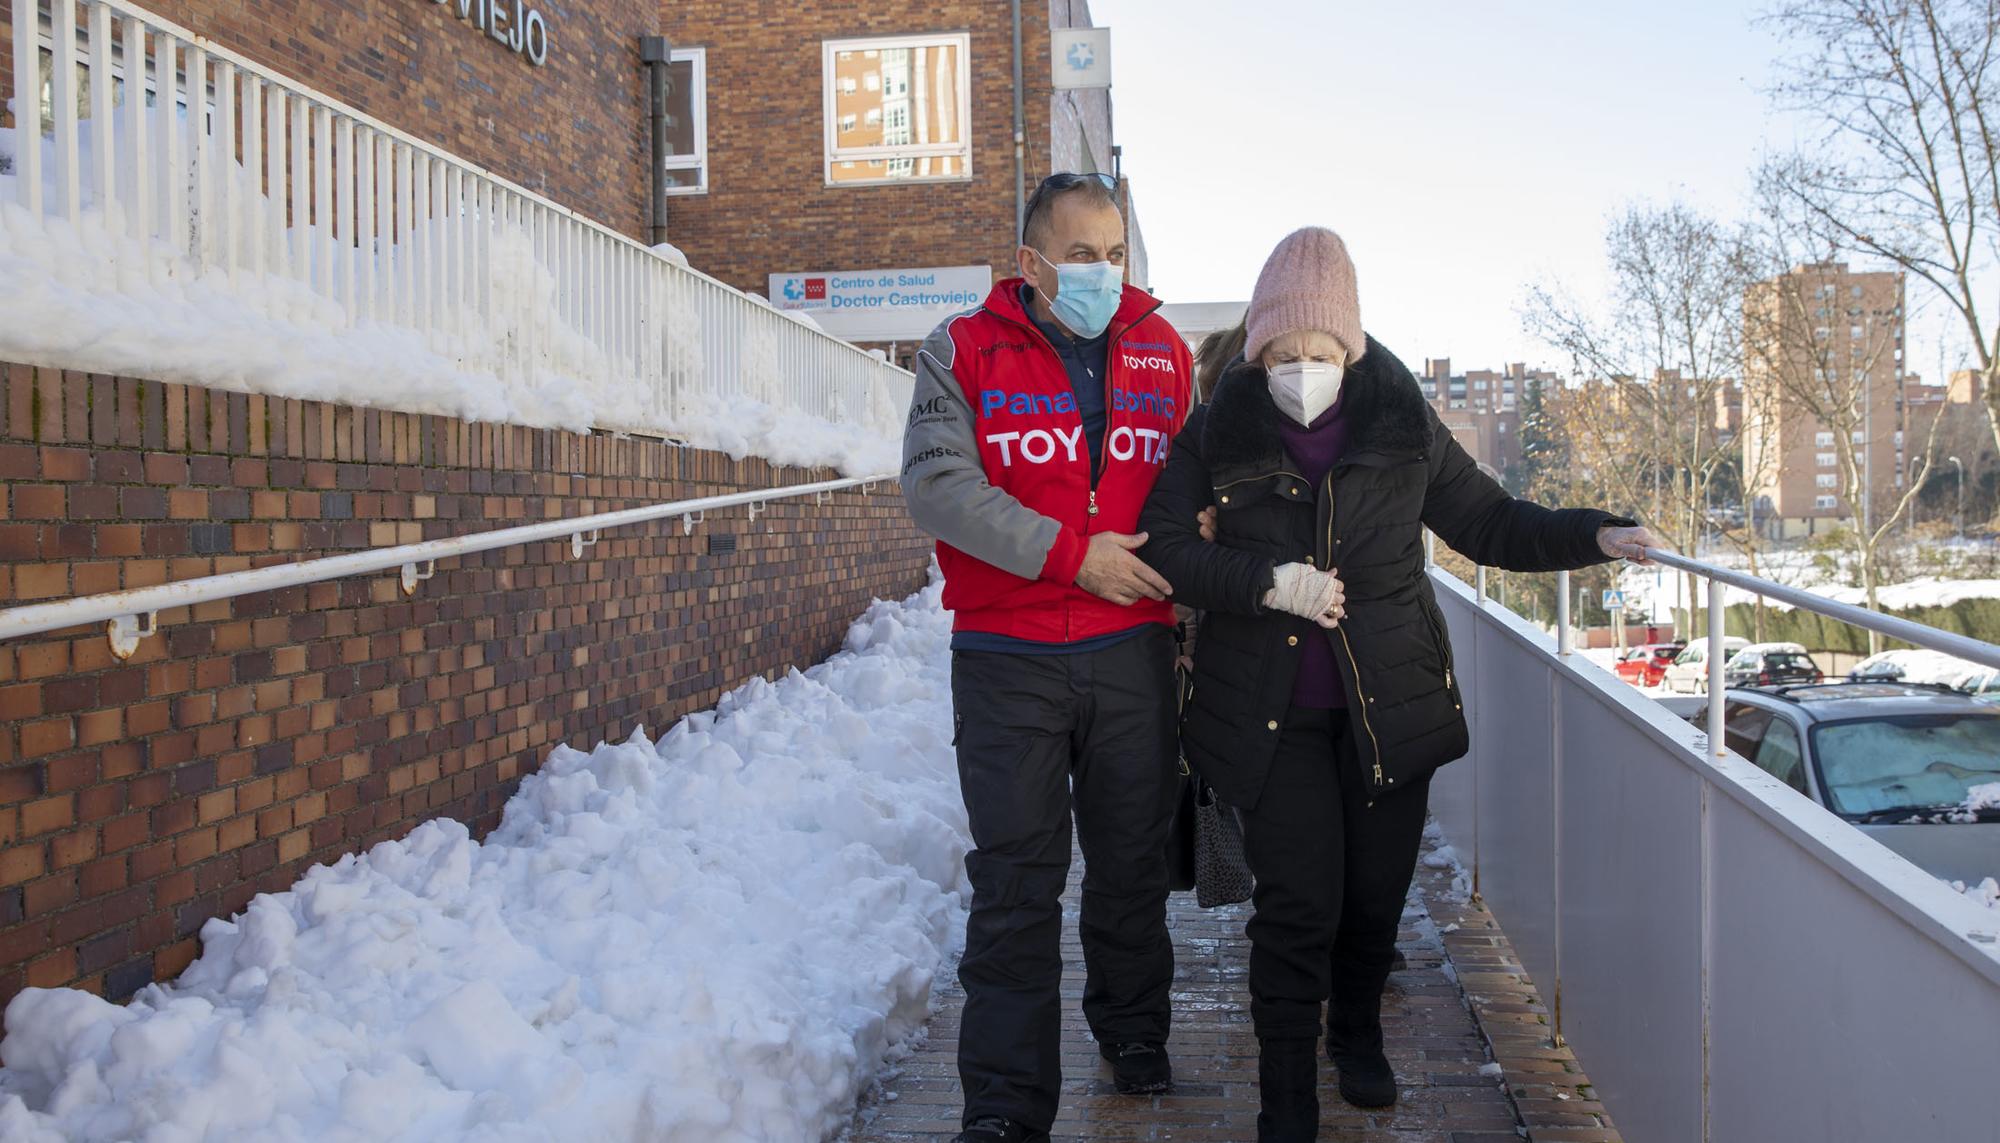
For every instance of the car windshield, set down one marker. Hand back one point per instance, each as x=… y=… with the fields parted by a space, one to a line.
x=1912 y=762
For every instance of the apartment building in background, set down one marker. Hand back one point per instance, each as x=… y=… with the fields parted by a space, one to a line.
x=1481 y=407
x=1822 y=316
x=856 y=161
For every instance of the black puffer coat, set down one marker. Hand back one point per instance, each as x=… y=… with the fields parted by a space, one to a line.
x=1401 y=471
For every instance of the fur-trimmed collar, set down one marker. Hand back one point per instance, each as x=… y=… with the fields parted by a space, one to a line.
x=1385 y=409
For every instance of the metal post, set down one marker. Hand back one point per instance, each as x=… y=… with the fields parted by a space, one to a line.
x=1020 y=137
x=1961 y=494
x=657 y=54
x=1479 y=582
x=1562 y=613
x=1715 y=657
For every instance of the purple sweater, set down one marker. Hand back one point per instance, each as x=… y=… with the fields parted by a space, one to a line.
x=1316 y=449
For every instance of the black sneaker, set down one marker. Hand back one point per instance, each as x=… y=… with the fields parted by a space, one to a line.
x=1138 y=1068
x=1367 y=1080
x=993 y=1129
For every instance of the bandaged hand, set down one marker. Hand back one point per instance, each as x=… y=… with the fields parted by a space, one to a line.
x=1307 y=592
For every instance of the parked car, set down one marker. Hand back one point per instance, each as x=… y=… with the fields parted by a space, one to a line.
x=1900 y=761
x=1771 y=664
x=1982 y=683
x=1910 y=665
x=1688 y=673
x=1646 y=666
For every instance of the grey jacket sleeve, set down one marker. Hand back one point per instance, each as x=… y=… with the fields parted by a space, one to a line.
x=945 y=485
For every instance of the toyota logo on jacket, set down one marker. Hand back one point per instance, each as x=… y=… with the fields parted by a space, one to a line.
x=996 y=465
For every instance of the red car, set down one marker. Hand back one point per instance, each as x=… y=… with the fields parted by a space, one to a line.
x=1646 y=666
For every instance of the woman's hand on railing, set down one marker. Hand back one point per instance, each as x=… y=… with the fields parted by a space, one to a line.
x=1628 y=544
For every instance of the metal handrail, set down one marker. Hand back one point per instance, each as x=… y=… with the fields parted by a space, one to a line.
x=235 y=168
x=1916 y=634
x=122 y=610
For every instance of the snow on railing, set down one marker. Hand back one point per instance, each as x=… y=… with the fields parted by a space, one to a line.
x=402 y=275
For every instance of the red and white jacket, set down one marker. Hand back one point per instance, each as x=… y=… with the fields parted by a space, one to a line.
x=996 y=466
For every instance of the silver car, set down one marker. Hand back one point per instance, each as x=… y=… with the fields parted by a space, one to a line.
x=1899 y=760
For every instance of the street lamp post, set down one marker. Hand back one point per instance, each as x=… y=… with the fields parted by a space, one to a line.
x=1961 y=494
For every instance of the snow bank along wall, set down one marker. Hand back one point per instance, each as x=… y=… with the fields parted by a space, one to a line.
x=574 y=129
x=258 y=736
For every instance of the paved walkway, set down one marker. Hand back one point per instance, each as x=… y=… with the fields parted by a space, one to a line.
x=1462 y=1003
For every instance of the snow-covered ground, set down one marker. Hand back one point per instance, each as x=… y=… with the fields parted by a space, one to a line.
x=715 y=937
x=92 y=296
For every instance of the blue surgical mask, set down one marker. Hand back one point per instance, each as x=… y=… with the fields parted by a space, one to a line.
x=1087 y=295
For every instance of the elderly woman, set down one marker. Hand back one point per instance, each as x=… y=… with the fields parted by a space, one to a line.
x=1324 y=693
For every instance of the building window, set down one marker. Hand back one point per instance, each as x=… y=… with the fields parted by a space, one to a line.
x=1826 y=460
x=685 y=163
x=1823 y=440
x=1856 y=436
x=917 y=102
x=1826 y=501
x=1827 y=480
x=1854 y=331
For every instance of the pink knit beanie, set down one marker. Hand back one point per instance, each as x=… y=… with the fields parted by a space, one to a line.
x=1307 y=284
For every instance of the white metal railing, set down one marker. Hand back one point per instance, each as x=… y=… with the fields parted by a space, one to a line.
x=134 y=613
x=1730 y=960
x=273 y=184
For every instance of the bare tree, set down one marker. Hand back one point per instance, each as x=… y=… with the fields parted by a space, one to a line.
x=1903 y=166
x=1662 y=354
x=1755 y=468
x=1836 y=369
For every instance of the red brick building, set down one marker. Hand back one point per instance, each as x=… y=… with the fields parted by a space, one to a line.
x=859 y=137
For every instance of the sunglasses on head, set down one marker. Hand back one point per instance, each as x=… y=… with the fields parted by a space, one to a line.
x=1056 y=184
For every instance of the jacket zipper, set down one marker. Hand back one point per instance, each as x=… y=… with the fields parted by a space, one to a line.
x=1353 y=663
x=1104 y=452
x=1110 y=346
x=1444 y=647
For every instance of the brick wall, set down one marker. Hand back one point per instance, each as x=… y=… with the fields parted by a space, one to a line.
x=255 y=737
x=769 y=208
x=575 y=130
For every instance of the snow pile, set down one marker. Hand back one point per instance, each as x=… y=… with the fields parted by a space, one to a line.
x=1441 y=855
x=1985 y=796
x=92 y=296
x=1929 y=591
x=716 y=937
x=1987 y=892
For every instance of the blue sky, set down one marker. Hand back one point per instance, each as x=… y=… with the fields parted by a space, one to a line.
x=1462 y=150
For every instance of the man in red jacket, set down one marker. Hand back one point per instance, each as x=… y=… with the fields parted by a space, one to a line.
x=1037 y=427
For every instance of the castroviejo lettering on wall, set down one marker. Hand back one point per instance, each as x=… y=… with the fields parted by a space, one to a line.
x=519 y=28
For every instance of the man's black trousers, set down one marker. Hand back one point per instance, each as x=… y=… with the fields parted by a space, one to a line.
x=1332 y=875
x=1036 y=736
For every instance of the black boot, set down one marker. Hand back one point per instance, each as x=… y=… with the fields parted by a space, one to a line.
x=1139 y=1069
x=1354 y=1044
x=993 y=1129
x=1288 y=1089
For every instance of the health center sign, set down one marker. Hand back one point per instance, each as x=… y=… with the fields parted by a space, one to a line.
x=882 y=305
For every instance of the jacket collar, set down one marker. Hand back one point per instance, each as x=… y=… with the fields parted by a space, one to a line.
x=1133 y=307
x=1386 y=413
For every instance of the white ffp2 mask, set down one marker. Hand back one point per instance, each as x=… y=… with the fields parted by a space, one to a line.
x=1305 y=389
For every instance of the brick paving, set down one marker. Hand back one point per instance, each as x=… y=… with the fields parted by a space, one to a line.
x=1462 y=1004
